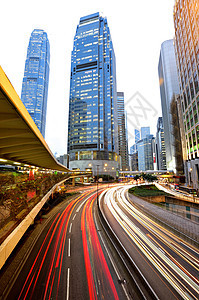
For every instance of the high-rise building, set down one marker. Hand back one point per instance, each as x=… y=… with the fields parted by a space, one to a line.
x=93 y=126
x=133 y=161
x=144 y=132
x=146 y=151
x=122 y=139
x=169 y=86
x=176 y=135
x=133 y=148
x=160 y=146
x=186 y=20
x=137 y=135
x=36 y=76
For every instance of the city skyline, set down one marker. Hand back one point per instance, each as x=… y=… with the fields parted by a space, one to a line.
x=60 y=70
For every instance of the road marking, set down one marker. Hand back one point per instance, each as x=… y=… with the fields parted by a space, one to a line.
x=69 y=247
x=74 y=217
x=114 y=266
x=70 y=228
x=68 y=284
x=78 y=209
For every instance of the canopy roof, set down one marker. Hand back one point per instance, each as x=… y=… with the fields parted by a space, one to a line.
x=20 y=139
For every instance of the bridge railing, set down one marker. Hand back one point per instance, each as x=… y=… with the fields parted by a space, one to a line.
x=20 y=192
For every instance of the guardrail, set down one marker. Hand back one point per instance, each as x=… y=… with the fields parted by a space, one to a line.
x=178 y=195
x=12 y=240
x=126 y=258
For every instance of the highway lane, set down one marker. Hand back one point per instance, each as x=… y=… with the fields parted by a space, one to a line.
x=69 y=260
x=169 y=265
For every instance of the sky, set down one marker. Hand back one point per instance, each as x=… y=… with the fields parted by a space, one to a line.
x=137 y=28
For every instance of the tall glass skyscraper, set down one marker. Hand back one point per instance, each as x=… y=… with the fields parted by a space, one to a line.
x=160 y=146
x=92 y=127
x=137 y=135
x=144 y=132
x=146 y=151
x=36 y=76
x=122 y=139
x=169 y=86
x=186 y=23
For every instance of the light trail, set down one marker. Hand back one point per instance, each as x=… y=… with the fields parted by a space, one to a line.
x=183 y=281
x=55 y=239
x=99 y=278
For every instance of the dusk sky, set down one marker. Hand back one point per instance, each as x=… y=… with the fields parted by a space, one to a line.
x=137 y=28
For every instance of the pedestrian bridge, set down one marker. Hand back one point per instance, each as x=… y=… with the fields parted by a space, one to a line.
x=133 y=173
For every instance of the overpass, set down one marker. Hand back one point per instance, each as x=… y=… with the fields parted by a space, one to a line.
x=133 y=173
x=21 y=143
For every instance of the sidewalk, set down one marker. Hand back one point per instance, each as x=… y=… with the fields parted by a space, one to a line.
x=179 y=195
x=187 y=229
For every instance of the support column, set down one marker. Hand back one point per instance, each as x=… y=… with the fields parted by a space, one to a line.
x=73 y=182
x=82 y=179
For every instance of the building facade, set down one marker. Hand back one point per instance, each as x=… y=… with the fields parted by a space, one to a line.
x=133 y=158
x=144 y=132
x=137 y=135
x=160 y=146
x=186 y=23
x=169 y=86
x=93 y=127
x=146 y=151
x=122 y=138
x=36 y=77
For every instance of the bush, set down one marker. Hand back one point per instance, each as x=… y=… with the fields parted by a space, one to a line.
x=146 y=191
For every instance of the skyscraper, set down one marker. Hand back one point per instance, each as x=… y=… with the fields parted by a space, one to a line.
x=137 y=135
x=36 y=76
x=122 y=140
x=169 y=86
x=144 y=132
x=186 y=18
x=146 y=150
x=93 y=127
x=160 y=146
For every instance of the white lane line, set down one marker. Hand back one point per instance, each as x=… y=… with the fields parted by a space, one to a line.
x=114 y=266
x=78 y=209
x=68 y=284
x=74 y=217
x=70 y=228
x=69 y=247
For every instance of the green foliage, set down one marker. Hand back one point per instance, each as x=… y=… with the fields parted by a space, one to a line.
x=147 y=177
x=146 y=191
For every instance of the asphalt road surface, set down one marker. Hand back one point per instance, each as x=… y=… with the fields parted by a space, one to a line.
x=67 y=259
x=169 y=265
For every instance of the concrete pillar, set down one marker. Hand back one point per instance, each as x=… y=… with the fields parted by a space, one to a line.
x=82 y=179
x=73 y=182
x=87 y=180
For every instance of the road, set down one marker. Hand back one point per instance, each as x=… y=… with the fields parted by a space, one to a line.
x=169 y=265
x=68 y=258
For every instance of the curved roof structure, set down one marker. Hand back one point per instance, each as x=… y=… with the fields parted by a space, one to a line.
x=20 y=139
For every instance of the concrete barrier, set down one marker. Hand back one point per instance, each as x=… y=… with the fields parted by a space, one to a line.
x=12 y=240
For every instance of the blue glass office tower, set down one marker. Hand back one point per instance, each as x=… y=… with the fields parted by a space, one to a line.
x=92 y=127
x=36 y=76
x=122 y=139
x=146 y=153
x=144 y=132
x=169 y=86
x=137 y=135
